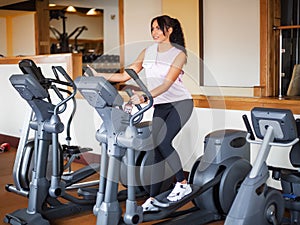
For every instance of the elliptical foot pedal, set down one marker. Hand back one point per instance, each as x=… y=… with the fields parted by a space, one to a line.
x=161 y=204
x=123 y=194
x=21 y=217
x=82 y=150
x=73 y=149
x=161 y=200
x=199 y=217
x=88 y=193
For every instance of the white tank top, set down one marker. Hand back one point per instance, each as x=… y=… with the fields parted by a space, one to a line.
x=157 y=65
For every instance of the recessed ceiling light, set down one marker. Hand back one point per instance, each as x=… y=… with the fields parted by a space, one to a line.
x=92 y=12
x=71 y=9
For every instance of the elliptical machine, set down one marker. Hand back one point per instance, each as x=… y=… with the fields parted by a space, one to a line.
x=48 y=197
x=258 y=201
x=215 y=177
x=23 y=163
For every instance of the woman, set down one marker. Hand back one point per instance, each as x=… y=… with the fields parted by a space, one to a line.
x=163 y=62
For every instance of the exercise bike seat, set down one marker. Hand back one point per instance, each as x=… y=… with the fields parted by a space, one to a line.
x=81 y=174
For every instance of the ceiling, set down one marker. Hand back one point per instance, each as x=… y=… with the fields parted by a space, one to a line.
x=10 y=2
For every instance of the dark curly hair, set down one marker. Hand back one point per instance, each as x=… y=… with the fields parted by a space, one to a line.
x=176 y=37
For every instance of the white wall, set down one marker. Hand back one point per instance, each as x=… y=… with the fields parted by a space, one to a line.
x=23 y=34
x=11 y=121
x=231 y=43
x=137 y=32
x=188 y=16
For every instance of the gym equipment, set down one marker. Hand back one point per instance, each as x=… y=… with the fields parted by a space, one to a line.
x=23 y=163
x=48 y=197
x=256 y=201
x=217 y=174
x=63 y=37
x=4 y=147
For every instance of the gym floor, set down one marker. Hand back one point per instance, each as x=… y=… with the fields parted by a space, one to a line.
x=10 y=202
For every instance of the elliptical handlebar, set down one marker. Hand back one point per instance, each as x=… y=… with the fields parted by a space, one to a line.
x=130 y=93
x=143 y=87
x=69 y=82
x=248 y=127
x=64 y=81
x=138 y=106
x=28 y=66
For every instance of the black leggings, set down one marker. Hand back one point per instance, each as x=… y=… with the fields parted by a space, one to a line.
x=168 y=119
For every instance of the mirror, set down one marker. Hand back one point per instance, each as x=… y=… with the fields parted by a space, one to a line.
x=98 y=44
x=111 y=31
x=79 y=32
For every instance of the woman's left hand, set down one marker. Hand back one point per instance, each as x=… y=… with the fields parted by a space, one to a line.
x=136 y=98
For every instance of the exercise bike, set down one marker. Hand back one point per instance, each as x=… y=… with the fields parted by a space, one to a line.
x=215 y=176
x=48 y=195
x=256 y=201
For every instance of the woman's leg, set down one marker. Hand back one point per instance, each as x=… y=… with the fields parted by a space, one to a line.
x=168 y=119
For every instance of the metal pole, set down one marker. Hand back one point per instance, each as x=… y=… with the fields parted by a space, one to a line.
x=297 y=35
x=281 y=51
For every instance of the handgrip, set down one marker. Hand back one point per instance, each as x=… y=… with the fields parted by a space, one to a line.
x=89 y=72
x=69 y=82
x=140 y=83
x=130 y=93
x=64 y=73
x=28 y=66
x=134 y=76
x=248 y=126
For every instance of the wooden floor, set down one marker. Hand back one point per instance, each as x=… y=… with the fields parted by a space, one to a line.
x=10 y=202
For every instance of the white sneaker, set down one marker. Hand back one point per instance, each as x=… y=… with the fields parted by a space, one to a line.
x=180 y=190
x=149 y=207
